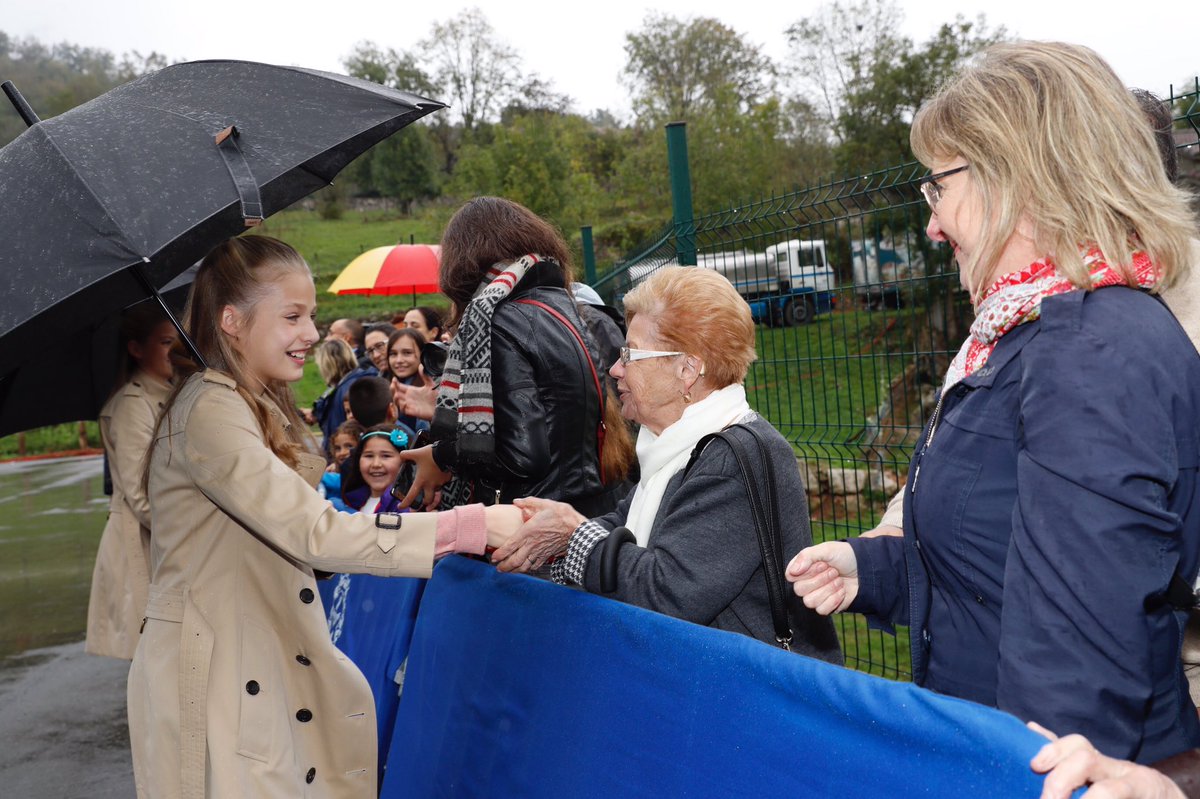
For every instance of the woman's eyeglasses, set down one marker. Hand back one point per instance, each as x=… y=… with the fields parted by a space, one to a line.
x=629 y=355
x=933 y=190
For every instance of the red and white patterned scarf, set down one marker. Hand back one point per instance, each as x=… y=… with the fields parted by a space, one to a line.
x=1017 y=297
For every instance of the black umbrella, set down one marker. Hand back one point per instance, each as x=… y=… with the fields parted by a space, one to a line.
x=106 y=203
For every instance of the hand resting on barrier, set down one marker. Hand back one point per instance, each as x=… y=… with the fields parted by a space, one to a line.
x=825 y=576
x=1072 y=762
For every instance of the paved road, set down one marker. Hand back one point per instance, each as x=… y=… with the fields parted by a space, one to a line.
x=62 y=724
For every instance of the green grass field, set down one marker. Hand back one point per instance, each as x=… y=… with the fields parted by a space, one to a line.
x=53 y=514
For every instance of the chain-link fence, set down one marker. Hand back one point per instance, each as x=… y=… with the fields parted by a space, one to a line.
x=859 y=314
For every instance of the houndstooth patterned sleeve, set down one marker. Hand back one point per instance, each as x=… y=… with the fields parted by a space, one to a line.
x=570 y=570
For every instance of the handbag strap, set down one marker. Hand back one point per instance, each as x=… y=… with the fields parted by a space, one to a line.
x=764 y=508
x=587 y=356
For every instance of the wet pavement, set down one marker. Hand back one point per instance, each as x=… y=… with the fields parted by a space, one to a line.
x=62 y=721
x=62 y=713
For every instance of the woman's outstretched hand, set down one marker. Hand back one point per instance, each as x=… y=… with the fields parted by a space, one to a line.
x=428 y=479
x=825 y=576
x=547 y=529
x=502 y=522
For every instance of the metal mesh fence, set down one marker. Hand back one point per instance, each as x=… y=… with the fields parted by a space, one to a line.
x=858 y=314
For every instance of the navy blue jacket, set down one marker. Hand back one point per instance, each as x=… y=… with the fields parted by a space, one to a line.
x=1050 y=500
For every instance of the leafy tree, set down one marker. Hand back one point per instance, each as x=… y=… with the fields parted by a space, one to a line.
x=538 y=159
x=57 y=78
x=476 y=72
x=403 y=167
x=390 y=67
x=839 y=47
x=870 y=80
x=678 y=69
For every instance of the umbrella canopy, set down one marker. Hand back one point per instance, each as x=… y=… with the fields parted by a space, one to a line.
x=400 y=269
x=112 y=199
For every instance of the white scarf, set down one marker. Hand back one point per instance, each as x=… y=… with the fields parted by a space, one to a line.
x=661 y=456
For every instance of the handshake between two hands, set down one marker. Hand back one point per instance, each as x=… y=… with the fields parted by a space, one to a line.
x=530 y=533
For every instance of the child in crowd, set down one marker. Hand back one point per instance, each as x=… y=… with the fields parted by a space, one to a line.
x=371 y=619
x=371 y=402
x=345 y=439
x=375 y=465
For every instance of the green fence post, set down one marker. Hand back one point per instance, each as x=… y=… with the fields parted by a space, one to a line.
x=681 y=193
x=589 y=255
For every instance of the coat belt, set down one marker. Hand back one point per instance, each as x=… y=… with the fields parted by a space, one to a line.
x=195 y=654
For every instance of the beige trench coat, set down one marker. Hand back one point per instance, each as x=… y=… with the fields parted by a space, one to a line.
x=236 y=689
x=121 y=577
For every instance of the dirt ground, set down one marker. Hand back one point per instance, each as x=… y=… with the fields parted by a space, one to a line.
x=62 y=724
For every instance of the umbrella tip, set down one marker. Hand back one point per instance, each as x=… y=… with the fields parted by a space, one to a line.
x=19 y=103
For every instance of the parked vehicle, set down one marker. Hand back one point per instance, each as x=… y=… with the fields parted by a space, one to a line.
x=883 y=271
x=788 y=283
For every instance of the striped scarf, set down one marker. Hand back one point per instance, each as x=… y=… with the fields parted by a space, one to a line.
x=464 y=407
x=1017 y=297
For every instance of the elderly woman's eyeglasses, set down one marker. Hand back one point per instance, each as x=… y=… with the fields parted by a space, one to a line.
x=629 y=355
x=933 y=190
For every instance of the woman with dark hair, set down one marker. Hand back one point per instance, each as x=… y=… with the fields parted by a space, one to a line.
x=425 y=320
x=375 y=345
x=521 y=408
x=121 y=576
x=404 y=366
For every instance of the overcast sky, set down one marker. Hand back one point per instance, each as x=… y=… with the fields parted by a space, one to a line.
x=578 y=45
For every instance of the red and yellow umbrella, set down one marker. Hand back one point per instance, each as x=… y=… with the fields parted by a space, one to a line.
x=399 y=269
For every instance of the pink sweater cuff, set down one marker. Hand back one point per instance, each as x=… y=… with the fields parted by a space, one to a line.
x=461 y=530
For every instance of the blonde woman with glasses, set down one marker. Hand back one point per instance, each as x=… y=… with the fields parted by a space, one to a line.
x=1052 y=510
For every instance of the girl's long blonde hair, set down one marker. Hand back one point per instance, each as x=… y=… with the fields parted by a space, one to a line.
x=239 y=272
x=1053 y=136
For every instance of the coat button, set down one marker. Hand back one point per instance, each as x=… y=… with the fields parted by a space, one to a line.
x=303 y=715
x=252 y=687
x=303 y=661
x=310 y=776
x=306 y=596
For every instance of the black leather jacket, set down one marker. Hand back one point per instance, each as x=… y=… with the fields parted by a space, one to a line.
x=546 y=404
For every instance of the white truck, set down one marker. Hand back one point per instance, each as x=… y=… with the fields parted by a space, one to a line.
x=786 y=284
x=883 y=271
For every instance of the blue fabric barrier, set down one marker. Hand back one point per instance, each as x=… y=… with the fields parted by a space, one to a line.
x=520 y=688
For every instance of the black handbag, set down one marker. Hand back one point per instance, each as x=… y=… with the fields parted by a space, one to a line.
x=764 y=507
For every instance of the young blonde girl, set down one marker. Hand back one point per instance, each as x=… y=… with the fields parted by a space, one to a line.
x=235 y=687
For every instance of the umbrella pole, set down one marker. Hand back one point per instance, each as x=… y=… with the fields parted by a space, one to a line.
x=153 y=292
x=27 y=116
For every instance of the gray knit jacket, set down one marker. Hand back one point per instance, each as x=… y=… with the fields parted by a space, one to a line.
x=702 y=562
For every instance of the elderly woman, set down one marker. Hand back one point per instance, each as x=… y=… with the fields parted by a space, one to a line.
x=1052 y=502
x=690 y=342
